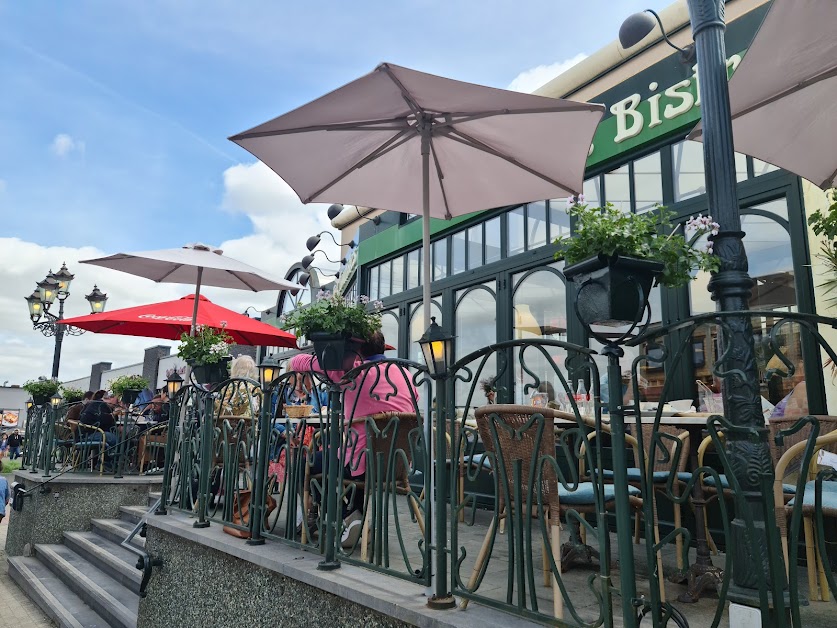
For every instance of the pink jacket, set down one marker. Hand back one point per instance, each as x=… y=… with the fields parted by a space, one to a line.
x=369 y=398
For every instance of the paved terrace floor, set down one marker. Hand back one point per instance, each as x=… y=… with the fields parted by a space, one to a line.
x=16 y=609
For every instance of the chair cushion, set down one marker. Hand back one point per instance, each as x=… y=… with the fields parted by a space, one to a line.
x=89 y=443
x=479 y=460
x=659 y=476
x=829 y=496
x=788 y=489
x=583 y=495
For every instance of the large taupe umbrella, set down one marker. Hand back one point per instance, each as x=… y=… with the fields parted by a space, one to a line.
x=196 y=265
x=407 y=141
x=783 y=96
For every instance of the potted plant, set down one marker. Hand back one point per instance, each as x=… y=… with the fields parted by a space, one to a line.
x=336 y=326
x=41 y=389
x=208 y=353
x=128 y=387
x=71 y=394
x=616 y=257
x=825 y=224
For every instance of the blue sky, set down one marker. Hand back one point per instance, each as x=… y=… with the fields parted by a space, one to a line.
x=114 y=115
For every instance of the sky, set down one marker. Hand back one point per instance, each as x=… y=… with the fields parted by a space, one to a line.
x=114 y=118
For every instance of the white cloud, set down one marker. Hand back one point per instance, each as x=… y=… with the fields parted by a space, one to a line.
x=63 y=144
x=533 y=78
x=281 y=224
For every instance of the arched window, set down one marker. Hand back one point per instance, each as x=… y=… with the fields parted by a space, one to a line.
x=475 y=327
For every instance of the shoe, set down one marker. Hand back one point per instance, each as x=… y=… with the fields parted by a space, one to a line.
x=352 y=526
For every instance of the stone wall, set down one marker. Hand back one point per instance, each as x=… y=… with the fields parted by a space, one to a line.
x=70 y=504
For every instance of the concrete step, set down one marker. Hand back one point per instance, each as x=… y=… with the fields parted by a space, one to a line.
x=54 y=597
x=117 y=604
x=118 y=562
x=132 y=514
x=116 y=530
x=153 y=497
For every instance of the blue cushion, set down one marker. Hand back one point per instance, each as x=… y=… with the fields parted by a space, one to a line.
x=583 y=495
x=479 y=460
x=91 y=443
x=659 y=476
x=789 y=489
x=829 y=495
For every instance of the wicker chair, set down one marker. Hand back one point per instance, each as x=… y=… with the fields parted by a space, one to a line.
x=151 y=442
x=521 y=448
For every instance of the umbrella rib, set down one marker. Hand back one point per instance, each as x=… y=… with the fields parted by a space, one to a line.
x=441 y=176
x=371 y=125
x=461 y=117
x=391 y=144
x=458 y=136
x=831 y=73
x=168 y=274
x=242 y=280
x=405 y=94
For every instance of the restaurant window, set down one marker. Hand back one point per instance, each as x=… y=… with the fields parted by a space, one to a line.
x=418 y=327
x=457 y=253
x=413 y=269
x=389 y=328
x=740 y=167
x=762 y=167
x=618 y=189
x=384 y=285
x=540 y=311
x=536 y=224
x=592 y=192
x=516 y=227
x=648 y=183
x=687 y=162
x=374 y=274
x=771 y=268
x=493 y=249
x=559 y=219
x=475 y=327
x=440 y=259
x=475 y=247
x=398 y=275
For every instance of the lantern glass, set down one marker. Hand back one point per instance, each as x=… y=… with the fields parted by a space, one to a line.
x=173 y=384
x=29 y=404
x=36 y=306
x=63 y=278
x=56 y=400
x=47 y=291
x=97 y=300
x=268 y=371
x=437 y=348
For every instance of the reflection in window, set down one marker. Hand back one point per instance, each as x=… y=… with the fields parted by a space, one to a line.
x=385 y=271
x=593 y=192
x=648 y=182
x=475 y=328
x=559 y=219
x=418 y=327
x=618 y=189
x=540 y=311
x=475 y=247
x=413 y=269
x=493 y=249
x=762 y=167
x=536 y=231
x=398 y=275
x=389 y=328
x=440 y=259
x=373 y=282
x=687 y=162
x=516 y=228
x=740 y=167
x=457 y=254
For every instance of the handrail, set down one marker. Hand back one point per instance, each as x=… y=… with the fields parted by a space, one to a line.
x=145 y=561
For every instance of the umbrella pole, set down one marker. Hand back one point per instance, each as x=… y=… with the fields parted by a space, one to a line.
x=197 y=300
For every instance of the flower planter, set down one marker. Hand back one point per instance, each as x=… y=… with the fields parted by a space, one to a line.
x=214 y=373
x=335 y=352
x=129 y=395
x=41 y=400
x=613 y=291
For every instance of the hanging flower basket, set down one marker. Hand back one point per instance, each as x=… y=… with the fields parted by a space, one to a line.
x=213 y=373
x=41 y=400
x=335 y=352
x=613 y=290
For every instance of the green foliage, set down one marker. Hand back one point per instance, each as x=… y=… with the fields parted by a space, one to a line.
x=606 y=230
x=9 y=466
x=825 y=224
x=334 y=314
x=71 y=394
x=207 y=346
x=127 y=382
x=42 y=387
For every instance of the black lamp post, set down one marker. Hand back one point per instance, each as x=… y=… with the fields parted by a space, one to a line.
x=730 y=288
x=437 y=347
x=57 y=286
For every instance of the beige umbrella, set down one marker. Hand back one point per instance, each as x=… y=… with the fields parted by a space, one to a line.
x=783 y=96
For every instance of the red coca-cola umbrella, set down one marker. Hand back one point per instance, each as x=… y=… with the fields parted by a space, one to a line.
x=170 y=319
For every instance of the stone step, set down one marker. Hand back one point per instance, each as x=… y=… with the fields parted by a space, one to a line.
x=116 y=561
x=116 y=530
x=53 y=597
x=132 y=514
x=153 y=497
x=114 y=602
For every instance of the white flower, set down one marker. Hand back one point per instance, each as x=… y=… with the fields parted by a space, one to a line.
x=581 y=198
x=378 y=305
x=363 y=299
x=570 y=201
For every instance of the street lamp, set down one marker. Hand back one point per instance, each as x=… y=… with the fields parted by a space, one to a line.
x=56 y=400
x=268 y=370
x=314 y=241
x=57 y=286
x=29 y=403
x=309 y=259
x=730 y=287
x=437 y=347
x=173 y=384
x=334 y=212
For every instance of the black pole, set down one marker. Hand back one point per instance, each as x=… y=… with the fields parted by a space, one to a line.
x=59 y=338
x=730 y=287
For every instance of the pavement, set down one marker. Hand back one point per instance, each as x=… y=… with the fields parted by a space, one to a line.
x=16 y=609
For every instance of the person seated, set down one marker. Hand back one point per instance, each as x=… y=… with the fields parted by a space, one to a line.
x=156 y=410
x=99 y=413
x=75 y=410
x=241 y=399
x=302 y=392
